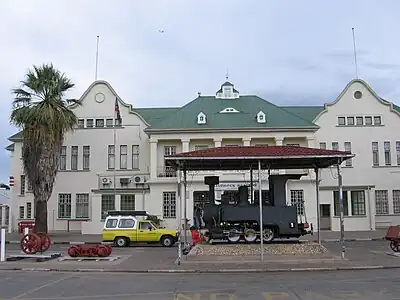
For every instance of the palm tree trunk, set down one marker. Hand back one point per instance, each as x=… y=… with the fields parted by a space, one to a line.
x=41 y=216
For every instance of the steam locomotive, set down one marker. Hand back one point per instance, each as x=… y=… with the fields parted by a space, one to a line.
x=240 y=220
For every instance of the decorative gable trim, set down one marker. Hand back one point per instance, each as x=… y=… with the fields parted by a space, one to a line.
x=228 y=110
x=261 y=117
x=368 y=87
x=108 y=85
x=201 y=118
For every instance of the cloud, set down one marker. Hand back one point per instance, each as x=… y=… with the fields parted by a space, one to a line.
x=292 y=52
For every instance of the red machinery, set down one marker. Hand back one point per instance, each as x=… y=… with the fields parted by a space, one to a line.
x=393 y=235
x=32 y=243
x=90 y=251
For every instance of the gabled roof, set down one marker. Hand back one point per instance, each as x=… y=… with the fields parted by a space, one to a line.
x=394 y=108
x=244 y=157
x=248 y=107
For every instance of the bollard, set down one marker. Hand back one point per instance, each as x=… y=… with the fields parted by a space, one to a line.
x=3 y=245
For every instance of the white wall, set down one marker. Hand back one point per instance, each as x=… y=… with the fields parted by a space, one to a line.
x=362 y=173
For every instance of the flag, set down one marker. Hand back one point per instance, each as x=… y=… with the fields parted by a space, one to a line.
x=117 y=112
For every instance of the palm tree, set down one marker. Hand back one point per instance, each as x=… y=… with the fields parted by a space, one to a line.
x=43 y=113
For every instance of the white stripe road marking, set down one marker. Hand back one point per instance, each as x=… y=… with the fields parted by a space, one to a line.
x=41 y=287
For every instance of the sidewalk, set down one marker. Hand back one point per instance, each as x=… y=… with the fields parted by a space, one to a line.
x=326 y=236
x=358 y=255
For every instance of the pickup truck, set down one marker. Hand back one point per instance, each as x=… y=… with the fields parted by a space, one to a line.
x=124 y=230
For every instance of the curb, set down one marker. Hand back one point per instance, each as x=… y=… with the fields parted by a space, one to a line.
x=67 y=243
x=346 y=240
x=196 y=271
x=105 y=243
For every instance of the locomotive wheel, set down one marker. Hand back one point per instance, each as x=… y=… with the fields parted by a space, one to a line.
x=74 y=251
x=233 y=236
x=92 y=251
x=45 y=241
x=394 y=246
x=250 y=235
x=30 y=243
x=102 y=251
x=109 y=248
x=268 y=235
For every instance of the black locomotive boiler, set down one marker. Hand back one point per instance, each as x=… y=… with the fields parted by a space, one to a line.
x=240 y=220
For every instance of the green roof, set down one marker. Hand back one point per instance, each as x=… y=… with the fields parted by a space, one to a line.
x=306 y=112
x=248 y=107
x=154 y=116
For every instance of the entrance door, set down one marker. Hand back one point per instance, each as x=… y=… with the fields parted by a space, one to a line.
x=325 y=216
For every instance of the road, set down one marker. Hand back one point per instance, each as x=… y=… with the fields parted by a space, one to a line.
x=366 y=285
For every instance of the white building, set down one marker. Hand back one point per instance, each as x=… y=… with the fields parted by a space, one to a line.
x=358 y=120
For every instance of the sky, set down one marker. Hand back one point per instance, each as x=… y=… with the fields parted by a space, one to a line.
x=288 y=52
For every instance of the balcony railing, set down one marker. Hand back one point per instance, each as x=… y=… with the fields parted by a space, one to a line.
x=166 y=172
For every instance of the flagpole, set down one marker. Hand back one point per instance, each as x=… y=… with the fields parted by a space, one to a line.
x=97 y=57
x=115 y=151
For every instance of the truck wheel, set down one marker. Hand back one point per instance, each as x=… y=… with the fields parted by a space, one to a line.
x=167 y=241
x=121 y=241
x=268 y=235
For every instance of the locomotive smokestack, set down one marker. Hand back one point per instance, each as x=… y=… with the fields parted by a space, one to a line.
x=211 y=181
x=243 y=195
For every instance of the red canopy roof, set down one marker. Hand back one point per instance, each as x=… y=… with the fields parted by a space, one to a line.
x=244 y=157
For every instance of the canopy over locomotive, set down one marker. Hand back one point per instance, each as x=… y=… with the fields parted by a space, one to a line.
x=241 y=219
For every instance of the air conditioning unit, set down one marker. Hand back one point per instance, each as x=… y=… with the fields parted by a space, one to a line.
x=106 y=180
x=139 y=179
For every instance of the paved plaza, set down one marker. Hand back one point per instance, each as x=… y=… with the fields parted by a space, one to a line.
x=366 y=285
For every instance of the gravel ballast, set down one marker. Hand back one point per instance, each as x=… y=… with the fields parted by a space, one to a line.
x=297 y=249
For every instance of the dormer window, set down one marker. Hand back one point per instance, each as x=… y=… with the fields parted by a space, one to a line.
x=201 y=118
x=261 y=117
x=229 y=110
x=227 y=91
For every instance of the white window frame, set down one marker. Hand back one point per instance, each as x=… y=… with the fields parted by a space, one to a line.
x=29 y=210
x=398 y=152
x=388 y=153
x=74 y=157
x=89 y=123
x=396 y=201
x=82 y=206
x=123 y=157
x=322 y=145
x=86 y=158
x=127 y=202
x=22 y=179
x=135 y=157
x=64 y=206
x=342 y=121
x=350 y=123
x=63 y=158
x=100 y=123
x=109 y=123
x=111 y=157
x=107 y=204
x=347 y=148
x=375 y=154
x=297 y=199
x=359 y=118
x=169 y=205
x=357 y=200
x=335 y=146
x=200 y=147
x=381 y=202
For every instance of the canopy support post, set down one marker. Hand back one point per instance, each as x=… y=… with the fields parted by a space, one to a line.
x=318 y=205
x=340 y=184
x=179 y=215
x=184 y=207
x=251 y=186
x=261 y=211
